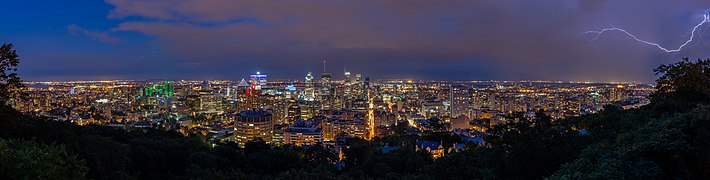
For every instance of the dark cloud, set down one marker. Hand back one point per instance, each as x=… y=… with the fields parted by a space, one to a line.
x=96 y=35
x=418 y=38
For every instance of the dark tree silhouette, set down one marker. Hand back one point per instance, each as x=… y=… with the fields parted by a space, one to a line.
x=688 y=80
x=10 y=82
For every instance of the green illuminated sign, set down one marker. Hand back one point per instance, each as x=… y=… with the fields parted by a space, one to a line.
x=165 y=89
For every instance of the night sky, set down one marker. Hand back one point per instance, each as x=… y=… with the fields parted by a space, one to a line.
x=419 y=39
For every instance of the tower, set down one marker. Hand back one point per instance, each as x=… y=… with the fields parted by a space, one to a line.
x=258 y=80
x=325 y=91
x=347 y=95
x=309 y=92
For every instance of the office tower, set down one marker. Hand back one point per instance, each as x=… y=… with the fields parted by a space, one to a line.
x=258 y=80
x=348 y=82
x=461 y=101
x=365 y=94
x=326 y=91
x=247 y=96
x=293 y=112
x=309 y=93
x=209 y=101
x=347 y=77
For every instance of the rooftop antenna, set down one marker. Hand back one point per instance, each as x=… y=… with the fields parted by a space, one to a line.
x=323 y=64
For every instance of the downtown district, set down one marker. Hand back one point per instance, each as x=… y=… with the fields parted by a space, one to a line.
x=320 y=111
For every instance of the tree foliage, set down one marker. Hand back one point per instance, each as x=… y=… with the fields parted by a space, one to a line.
x=10 y=82
x=680 y=86
x=686 y=79
x=27 y=159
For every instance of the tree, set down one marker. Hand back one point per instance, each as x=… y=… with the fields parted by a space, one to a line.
x=685 y=79
x=10 y=83
x=28 y=160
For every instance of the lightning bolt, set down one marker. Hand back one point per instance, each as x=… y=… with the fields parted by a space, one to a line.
x=706 y=18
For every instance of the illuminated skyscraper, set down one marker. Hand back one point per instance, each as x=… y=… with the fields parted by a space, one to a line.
x=245 y=96
x=346 y=97
x=258 y=80
x=348 y=79
x=309 y=93
x=357 y=86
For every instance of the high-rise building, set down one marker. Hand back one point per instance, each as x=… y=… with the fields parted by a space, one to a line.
x=258 y=80
x=461 y=101
x=332 y=128
x=247 y=96
x=293 y=112
x=365 y=94
x=210 y=101
x=303 y=133
x=309 y=93
x=326 y=91
x=346 y=97
x=205 y=101
x=347 y=77
x=252 y=125
x=192 y=102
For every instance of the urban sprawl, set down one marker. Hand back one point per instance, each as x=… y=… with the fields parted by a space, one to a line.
x=322 y=111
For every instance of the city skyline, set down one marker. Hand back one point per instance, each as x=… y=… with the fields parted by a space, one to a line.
x=344 y=89
x=455 y=40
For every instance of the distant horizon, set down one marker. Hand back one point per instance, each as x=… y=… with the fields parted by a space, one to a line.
x=375 y=80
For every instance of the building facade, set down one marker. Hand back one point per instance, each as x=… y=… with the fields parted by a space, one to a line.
x=303 y=133
x=252 y=125
x=332 y=128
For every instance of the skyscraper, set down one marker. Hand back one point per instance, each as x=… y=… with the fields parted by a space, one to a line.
x=258 y=80
x=309 y=93
x=326 y=89
x=346 y=97
x=246 y=96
